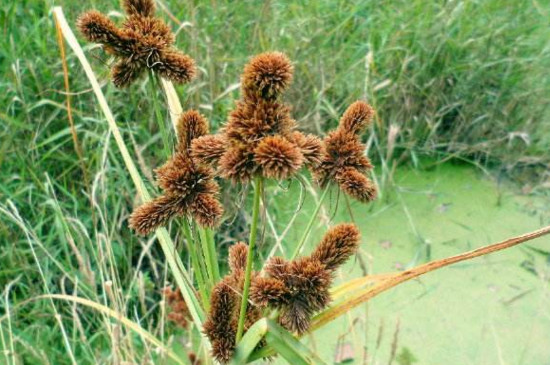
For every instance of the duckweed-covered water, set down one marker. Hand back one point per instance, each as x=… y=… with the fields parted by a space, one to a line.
x=490 y=310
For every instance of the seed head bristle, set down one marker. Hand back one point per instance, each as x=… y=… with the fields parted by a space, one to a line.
x=310 y=146
x=190 y=125
x=337 y=246
x=267 y=75
x=208 y=150
x=144 y=8
x=278 y=158
x=356 y=117
x=237 y=257
x=151 y=215
x=206 y=210
x=219 y=326
x=356 y=185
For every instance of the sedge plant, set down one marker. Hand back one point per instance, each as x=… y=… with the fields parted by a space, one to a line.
x=256 y=309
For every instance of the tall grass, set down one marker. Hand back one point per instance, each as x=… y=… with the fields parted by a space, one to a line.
x=462 y=79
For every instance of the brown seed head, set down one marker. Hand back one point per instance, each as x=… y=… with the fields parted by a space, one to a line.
x=151 y=215
x=142 y=42
x=237 y=257
x=267 y=75
x=191 y=125
x=310 y=146
x=269 y=291
x=339 y=243
x=144 y=8
x=208 y=150
x=356 y=185
x=219 y=326
x=356 y=117
x=278 y=158
x=237 y=164
x=206 y=210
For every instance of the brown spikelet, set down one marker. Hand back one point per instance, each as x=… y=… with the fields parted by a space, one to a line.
x=190 y=125
x=268 y=291
x=219 y=326
x=237 y=256
x=208 y=150
x=310 y=146
x=237 y=164
x=97 y=28
x=175 y=66
x=277 y=267
x=206 y=210
x=356 y=117
x=139 y=7
x=181 y=177
x=267 y=75
x=356 y=185
x=143 y=42
x=156 y=213
x=339 y=243
x=179 y=313
x=278 y=158
x=124 y=72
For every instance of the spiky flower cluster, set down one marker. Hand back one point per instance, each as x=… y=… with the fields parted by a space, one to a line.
x=221 y=324
x=189 y=188
x=260 y=137
x=344 y=160
x=179 y=313
x=300 y=287
x=142 y=42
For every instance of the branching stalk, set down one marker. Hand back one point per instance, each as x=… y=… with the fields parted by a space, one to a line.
x=258 y=186
x=309 y=226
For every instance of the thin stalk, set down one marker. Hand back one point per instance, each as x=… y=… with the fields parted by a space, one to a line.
x=213 y=253
x=211 y=265
x=312 y=220
x=196 y=265
x=258 y=182
x=158 y=113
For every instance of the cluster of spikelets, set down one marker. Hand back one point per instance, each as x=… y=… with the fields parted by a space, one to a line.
x=343 y=160
x=189 y=188
x=260 y=137
x=297 y=289
x=142 y=42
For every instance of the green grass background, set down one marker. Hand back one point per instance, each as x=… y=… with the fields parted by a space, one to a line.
x=462 y=80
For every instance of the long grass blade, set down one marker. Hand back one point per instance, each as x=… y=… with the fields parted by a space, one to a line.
x=176 y=266
x=363 y=295
x=119 y=318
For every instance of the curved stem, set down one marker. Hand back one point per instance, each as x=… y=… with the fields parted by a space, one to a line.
x=309 y=224
x=250 y=257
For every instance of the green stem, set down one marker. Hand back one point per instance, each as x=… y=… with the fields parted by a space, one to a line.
x=158 y=114
x=250 y=257
x=310 y=224
x=209 y=256
x=197 y=267
x=213 y=253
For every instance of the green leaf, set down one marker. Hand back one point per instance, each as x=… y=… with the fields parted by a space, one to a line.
x=249 y=342
x=289 y=347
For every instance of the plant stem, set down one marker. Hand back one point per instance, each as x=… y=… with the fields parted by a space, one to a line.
x=213 y=253
x=197 y=267
x=158 y=114
x=310 y=224
x=258 y=182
